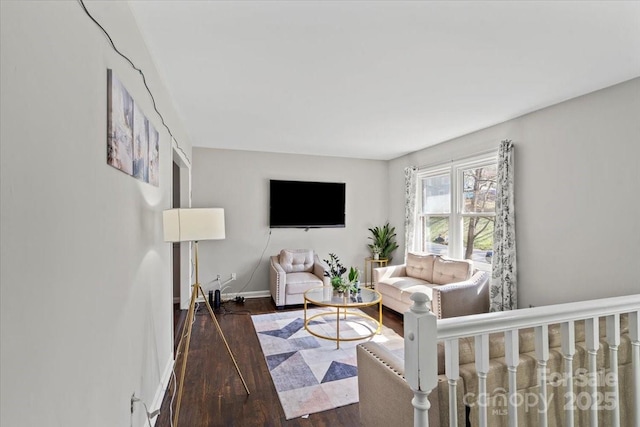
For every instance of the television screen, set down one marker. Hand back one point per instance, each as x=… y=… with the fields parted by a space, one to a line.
x=303 y=204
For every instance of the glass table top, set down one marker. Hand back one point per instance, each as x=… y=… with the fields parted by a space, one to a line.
x=326 y=296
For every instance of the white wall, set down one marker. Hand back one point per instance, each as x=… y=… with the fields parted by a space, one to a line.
x=577 y=177
x=238 y=181
x=86 y=302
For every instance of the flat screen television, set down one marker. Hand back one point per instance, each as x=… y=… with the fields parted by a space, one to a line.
x=305 y=204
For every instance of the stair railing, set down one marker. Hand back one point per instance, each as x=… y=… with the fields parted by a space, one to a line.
x=422 y=332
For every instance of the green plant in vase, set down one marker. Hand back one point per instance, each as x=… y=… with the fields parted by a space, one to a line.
x=354 y=278
x=375 y=251
x=335 y=272
x=384 y=238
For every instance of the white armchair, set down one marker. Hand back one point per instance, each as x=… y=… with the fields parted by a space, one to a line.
x=292 y=273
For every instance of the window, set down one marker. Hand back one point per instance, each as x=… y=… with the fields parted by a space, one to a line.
x=456 y=210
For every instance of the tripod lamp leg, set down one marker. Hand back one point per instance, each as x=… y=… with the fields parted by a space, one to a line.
x=215 y=321
x=188 y=326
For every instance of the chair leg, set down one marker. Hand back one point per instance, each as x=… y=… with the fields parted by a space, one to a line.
x=278 y=307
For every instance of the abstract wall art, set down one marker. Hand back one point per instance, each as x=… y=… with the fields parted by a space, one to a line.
x=132 y=141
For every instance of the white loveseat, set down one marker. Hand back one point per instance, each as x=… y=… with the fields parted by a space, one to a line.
x=453 y=286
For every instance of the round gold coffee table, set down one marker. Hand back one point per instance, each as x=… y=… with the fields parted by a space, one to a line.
x=325 y=297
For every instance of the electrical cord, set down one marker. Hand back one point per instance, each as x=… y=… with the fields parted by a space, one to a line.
x=144 y=79
x=257 y=265
x=226 y=311
x=149 y=414
x=173 y=394
x=223 y=287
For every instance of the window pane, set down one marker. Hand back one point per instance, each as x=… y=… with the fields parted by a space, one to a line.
x=479 y=189
x=478 y=239
x=436 y=194
x=435 y=234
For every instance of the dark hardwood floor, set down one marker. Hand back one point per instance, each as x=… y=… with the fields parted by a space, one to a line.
x=213 y=393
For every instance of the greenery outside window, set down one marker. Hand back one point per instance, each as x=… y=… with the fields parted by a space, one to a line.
x=456 y=210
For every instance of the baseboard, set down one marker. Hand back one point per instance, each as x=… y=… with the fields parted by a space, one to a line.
x=156 y=403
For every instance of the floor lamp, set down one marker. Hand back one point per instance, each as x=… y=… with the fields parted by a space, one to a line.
x=193 y=225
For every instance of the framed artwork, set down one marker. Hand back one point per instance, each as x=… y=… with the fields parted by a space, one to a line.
x=133 y=144
x=119 y=125
x=154 y=156
x=140 y=145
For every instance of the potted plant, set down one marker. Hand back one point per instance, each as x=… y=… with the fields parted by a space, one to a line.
x=335 y=272
x=375 y=251
x=384 y=238
x=354 y=278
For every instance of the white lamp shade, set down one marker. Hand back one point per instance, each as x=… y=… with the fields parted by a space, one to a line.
x=185 y=225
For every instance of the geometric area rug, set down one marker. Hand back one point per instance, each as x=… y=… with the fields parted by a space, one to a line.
x=309 y=373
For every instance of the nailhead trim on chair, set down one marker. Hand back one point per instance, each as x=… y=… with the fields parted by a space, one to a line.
x=436 y=294
x=383 y=362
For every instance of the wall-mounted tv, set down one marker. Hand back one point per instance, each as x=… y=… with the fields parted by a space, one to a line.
x=305 y=204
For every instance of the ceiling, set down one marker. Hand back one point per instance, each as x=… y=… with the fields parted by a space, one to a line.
x=378 y=79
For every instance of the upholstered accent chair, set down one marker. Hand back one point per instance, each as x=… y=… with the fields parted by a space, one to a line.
x=292 y=273
x=454 y=287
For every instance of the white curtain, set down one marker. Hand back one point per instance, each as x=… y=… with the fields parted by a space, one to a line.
x=503 y=291
x=410 y=174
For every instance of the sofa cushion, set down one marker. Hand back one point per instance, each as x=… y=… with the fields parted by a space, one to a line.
x=420 y=266
x=296 y=260
x=401 y=288
x=447 y=271
x=298 y=283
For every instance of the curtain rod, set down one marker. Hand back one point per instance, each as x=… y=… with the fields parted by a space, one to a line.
x=480 y=153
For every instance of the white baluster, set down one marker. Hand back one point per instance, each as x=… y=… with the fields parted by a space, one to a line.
x=568 y=331
x=634 y=334
x=421 y=356
x=542 y=354
x=452 y=371
x=512 y=357
x=482 y=367
x=593 y=344
x=613 y=339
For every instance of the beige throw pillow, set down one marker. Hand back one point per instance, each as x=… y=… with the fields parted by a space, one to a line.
x=420 y=266
x=296 y=260
x=450 y=271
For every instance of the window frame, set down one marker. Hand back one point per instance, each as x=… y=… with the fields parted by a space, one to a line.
x=455 y=170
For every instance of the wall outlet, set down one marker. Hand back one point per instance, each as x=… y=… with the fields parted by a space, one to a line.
x=233 y=276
